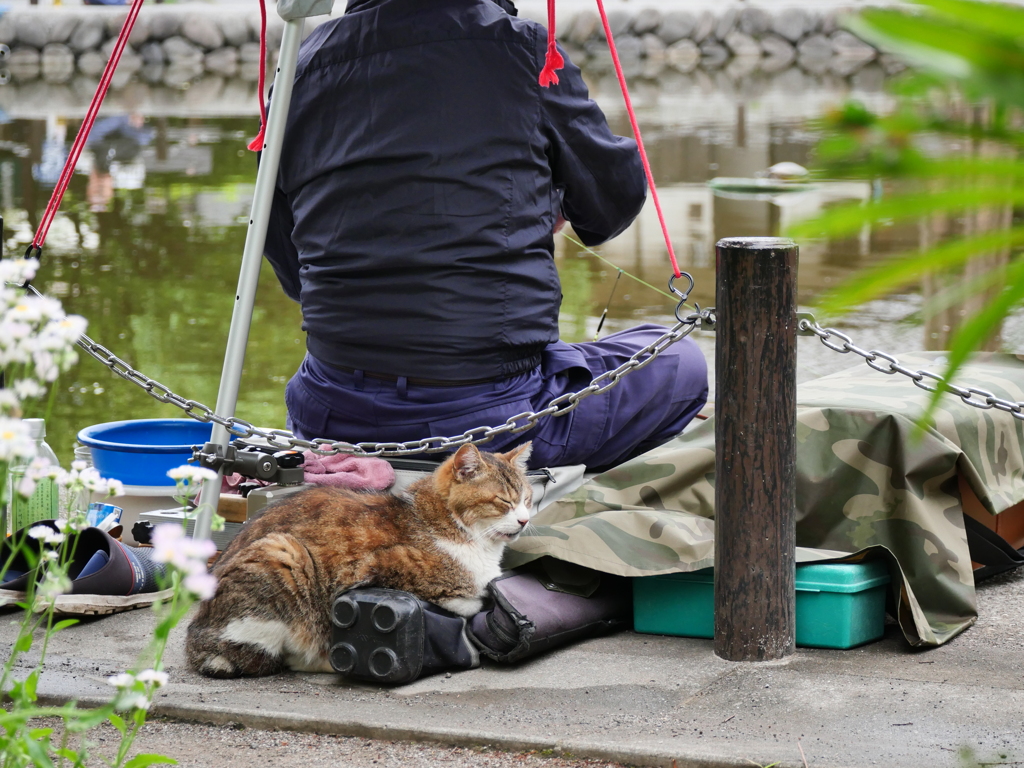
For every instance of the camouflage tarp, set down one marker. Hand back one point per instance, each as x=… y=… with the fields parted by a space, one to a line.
x=865 y=479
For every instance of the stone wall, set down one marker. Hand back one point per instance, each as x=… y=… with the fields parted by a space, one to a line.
x=174 y=45
x=742 y=38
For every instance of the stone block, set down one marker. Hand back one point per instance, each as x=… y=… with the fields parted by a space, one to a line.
x=23 y=63
x=114 y=22
x=203 y=31
x=704 y=28
x=249 y=52
x=152 y=72
x=249 y=71
x=164 y=24
x=778 y=53
x=57 y=63
x=726 y=22
x=33 y=30
x=599 y=58
x=141 y=32
x=646 y=22
x=676 y=25
x=815 y=47
x=8 y=30
x=88 y=35
x=152 y=53
x=179 y=73
x=204 y=92
x=576 y=55
x=829 y=23
x=630 y=50
x=792 y=24
x=618 y=22
x=890 y=64
x=61 y=26
x=849 y=46
x=742 y=45
x=713 y=54
x=653 y=47
x=235 y=29
x=683 y=55
x=584 y=26
x=91 y=63
x=178 y=50
x=223 y=61
x=871 y=79
x=754 y=21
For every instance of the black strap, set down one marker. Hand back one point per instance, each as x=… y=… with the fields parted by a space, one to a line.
x=987 y=547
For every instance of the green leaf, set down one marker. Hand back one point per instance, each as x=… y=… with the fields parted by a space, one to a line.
x=40 y=758
x=848 y=219
x=30 y=684
x=38 y=733
x=84 y=720
x=904 y=269
x=67 y=754
x=973 y=333
x=63 y=625
x=23 y=643
x=141 y=761
x=118 y=722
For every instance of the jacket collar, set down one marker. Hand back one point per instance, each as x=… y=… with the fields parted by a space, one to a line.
x=361 y=5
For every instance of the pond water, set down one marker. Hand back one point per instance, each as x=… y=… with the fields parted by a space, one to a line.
x=148 y=241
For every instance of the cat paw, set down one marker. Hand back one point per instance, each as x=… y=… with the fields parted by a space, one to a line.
x=463 y=606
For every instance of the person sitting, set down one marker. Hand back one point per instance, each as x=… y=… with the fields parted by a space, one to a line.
x=424 y=174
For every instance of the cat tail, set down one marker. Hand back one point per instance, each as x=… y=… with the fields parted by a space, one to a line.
x=209 y=652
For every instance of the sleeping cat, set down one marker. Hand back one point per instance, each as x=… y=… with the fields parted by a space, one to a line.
x=441 y=540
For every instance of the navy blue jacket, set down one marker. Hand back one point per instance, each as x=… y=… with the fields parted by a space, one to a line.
x=422 y=174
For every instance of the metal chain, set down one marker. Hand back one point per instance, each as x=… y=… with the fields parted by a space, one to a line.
x=926 y=380
x=285 y=440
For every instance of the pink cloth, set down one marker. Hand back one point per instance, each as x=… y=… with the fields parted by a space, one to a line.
x=359 y=473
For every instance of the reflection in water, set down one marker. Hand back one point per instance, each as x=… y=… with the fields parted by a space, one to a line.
x=149 y=238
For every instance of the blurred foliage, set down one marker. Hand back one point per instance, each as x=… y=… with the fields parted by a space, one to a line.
x=950 y=149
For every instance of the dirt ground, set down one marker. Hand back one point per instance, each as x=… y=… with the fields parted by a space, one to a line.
x=196 y=745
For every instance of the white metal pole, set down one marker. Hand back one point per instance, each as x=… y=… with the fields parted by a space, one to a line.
x=252 y=258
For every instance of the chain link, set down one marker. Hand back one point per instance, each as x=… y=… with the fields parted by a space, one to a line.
x=973 y=396
x=285 y=440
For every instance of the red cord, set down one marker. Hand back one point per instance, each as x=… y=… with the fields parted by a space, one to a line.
x=257 y=144
x=639 y=139
x=83 y=132
x=553 y=59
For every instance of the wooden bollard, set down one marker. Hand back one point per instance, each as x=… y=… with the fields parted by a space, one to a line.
x=755 y=439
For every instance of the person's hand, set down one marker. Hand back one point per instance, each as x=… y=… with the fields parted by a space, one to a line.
x=559 y=223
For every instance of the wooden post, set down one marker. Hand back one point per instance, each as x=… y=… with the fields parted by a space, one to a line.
x=755 y=438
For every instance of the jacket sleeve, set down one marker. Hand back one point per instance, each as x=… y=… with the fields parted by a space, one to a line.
x=600 y=174
x=279 y=249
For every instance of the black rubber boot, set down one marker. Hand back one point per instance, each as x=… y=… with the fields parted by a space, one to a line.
x=393 y=637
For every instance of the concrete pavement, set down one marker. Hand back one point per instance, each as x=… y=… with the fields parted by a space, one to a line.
x=634 y=699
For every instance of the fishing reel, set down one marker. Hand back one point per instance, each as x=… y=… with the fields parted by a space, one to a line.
x=253 y=460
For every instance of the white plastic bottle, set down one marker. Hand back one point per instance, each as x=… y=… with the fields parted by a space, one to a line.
x=44 y=504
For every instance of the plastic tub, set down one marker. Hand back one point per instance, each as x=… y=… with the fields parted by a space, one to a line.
x=838 y=605
x=141 y=451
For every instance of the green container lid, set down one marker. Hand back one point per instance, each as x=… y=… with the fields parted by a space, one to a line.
x=815 y=577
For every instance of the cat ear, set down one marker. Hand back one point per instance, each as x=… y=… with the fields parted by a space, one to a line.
x=466 y=462
x=521 y=455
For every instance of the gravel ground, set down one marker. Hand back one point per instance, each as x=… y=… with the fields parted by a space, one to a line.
x=203 y=746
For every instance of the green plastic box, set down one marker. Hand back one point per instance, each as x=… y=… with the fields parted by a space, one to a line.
x=838 y=605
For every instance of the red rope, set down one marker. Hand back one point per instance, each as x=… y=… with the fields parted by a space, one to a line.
x=553 y=59
x=639 y=139
x=83 y=132
x=257 y=144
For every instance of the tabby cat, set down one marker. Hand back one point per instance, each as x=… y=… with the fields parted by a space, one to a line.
x=441 y=540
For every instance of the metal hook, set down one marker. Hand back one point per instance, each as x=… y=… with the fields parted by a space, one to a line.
x=683 y=295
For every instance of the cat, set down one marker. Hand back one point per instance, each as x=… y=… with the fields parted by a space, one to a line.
x=442 y=540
